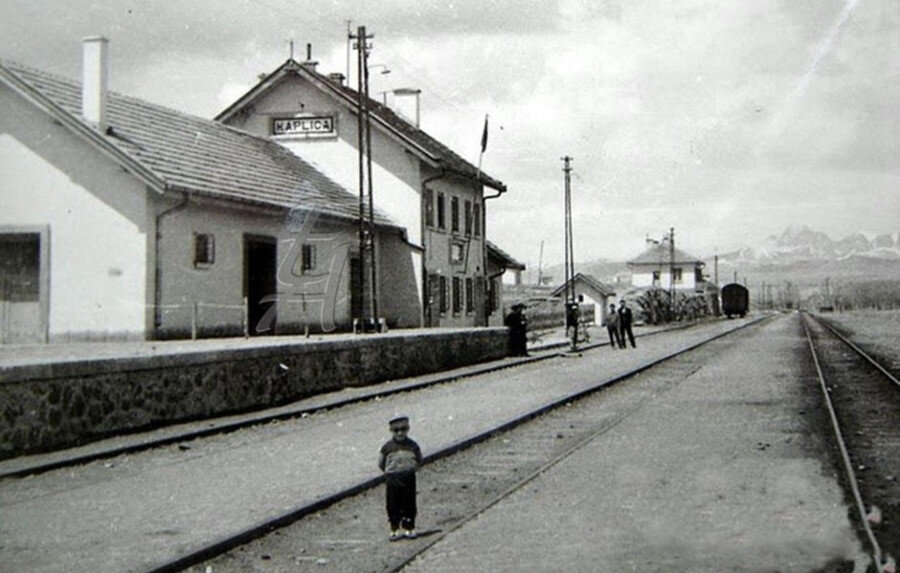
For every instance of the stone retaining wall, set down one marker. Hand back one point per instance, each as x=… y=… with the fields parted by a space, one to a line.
x=52 y=406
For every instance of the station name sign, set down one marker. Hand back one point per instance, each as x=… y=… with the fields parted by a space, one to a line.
x=310 y=126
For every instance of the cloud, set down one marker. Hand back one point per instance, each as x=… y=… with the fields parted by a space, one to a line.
x=677 y=114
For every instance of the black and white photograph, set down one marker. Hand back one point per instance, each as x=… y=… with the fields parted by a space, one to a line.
x=449 y=286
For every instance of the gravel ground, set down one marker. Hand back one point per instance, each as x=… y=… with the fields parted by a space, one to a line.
x=876 y=331
x=723 y=472
x=713 y=462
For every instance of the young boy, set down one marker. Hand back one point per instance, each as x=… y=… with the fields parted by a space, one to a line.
x=399 y=459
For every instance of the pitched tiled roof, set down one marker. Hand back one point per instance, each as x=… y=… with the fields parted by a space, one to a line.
x=589 y=280
x=442 y=155
x=660 y=253
x=188 y=153
x=505 y=259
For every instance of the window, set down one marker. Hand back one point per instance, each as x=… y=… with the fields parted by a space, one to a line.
x=308 y=254
x=457 y=295
x=476 y=215
x=454 y=214
x=470 y=296
x=20 y=268
x=204 y=250
x=445 y=297
x=457 y=251
x=656 y=278
x=676 y=275
x=441 y=212
x=493 y=295
x=429 y=207
x=468 y=215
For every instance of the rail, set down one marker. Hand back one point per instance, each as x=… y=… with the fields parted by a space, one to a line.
x=841 y=441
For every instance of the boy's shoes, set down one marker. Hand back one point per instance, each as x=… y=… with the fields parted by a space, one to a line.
x=396 y=535
x=409 y=533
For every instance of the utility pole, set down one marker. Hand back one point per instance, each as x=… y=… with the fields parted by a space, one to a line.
x=366 y=235
x=672 y=268
x=540 y=265
x=717 y=271
x=367 y=115
x=571 y=303
x=349 y=49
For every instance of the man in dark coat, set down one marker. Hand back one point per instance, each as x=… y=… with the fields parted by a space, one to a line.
x=625 y=319
x=518 y=329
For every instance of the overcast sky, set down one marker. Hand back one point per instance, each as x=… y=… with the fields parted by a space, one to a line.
x=726 y=119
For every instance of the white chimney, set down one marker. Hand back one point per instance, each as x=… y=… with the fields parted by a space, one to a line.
x=94 y=81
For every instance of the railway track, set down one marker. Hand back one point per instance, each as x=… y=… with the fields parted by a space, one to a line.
x=496 y=463
x=863 y=402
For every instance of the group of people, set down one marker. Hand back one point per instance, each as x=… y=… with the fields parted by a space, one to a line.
x=618 y=324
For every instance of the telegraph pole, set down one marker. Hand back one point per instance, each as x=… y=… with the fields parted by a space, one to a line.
x=365 y=234
x=540 y=265
x=368 y=123
x=571 y=304
x=672 y=267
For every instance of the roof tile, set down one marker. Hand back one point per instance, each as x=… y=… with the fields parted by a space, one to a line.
x=204 y=156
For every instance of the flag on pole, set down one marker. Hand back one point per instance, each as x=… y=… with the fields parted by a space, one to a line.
x=484 y=134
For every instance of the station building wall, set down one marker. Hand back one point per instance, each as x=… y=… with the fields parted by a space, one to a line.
x=643 y=277
x=95 y=223
x=404 y=187
x=318 y=297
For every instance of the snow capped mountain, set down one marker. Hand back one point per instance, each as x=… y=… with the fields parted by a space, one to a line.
x=801 y=243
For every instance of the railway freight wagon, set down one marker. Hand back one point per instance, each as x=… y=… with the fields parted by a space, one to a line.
x=735 y=300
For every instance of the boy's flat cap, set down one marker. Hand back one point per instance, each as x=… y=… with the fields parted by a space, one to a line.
x=399 y=420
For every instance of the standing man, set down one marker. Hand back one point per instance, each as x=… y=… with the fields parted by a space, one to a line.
x=518 y=330
x=625 y=318
x=611 y=322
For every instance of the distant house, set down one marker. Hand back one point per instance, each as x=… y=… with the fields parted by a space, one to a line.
x=663 y=267
x=499 y=263
x=589 y=290
x=123 y=219
x=436 y=195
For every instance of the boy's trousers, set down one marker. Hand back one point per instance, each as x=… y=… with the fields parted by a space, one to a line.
x=401 y=500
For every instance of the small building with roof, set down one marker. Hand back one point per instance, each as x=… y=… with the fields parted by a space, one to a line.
x=124 y=219
x=435 y=194
x=589 y=290
x=661 y=265
x=499 y=262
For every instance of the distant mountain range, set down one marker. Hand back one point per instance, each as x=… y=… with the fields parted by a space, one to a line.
x=799 y=255
x=796 y=244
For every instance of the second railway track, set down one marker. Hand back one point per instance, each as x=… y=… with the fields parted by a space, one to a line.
x=863 y=398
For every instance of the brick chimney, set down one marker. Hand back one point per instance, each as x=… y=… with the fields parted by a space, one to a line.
x=94 y=71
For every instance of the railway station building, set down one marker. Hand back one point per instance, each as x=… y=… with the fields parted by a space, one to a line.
x=437 y=196
x=126 y=220
x=665 y=267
